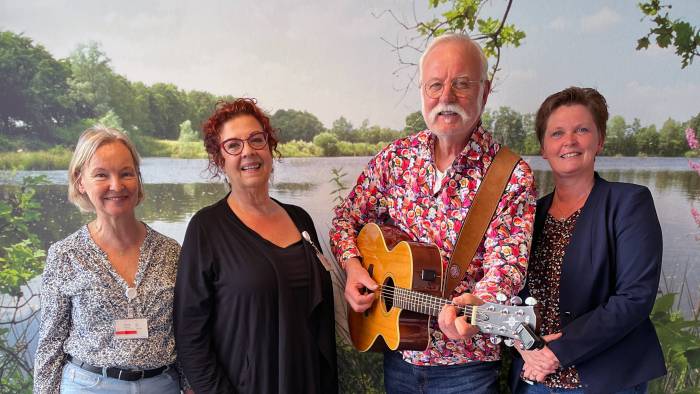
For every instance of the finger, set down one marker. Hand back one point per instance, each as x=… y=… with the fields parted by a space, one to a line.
x=358 y=302
x=464 y=329
x=359 y=277
x=552 y=337
x=467 y=299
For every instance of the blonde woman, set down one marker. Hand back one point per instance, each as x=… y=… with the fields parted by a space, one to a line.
x=107 y=289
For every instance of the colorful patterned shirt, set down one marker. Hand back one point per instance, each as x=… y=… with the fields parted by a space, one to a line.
x=397 y=187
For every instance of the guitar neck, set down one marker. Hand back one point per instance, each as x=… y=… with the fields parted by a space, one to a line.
x=426 y=304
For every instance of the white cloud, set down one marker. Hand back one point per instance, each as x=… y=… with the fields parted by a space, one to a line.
x=600 y=21
x=559 y=23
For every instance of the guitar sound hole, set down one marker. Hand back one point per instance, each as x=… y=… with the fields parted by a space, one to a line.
x=388 y=294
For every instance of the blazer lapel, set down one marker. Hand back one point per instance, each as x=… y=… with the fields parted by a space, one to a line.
x=578 y=259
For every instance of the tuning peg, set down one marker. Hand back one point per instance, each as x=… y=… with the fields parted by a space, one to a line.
x=529 y=301
x=509 y=342
x=495 y=340
x=515 y=300
x=501 y=298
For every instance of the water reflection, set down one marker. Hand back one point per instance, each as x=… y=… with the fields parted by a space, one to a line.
x=305 y=182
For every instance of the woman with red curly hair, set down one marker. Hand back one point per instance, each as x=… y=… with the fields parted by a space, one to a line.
x=253 y=305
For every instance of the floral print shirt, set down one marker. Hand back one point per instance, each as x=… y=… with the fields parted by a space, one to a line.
x=82 y=296
x=397 y=187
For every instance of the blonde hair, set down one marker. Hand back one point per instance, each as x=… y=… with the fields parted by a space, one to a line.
x=88 y=143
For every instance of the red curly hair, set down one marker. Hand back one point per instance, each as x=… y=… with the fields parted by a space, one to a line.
x=225 y=111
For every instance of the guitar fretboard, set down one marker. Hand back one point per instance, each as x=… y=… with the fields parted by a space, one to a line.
x=419 y=302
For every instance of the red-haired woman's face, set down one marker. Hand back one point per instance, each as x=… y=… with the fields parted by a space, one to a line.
x=251 y=168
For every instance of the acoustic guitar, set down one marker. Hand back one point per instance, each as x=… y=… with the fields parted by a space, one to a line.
x=409 y=275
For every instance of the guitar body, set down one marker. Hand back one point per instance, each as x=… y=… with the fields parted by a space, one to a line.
x=393 y=260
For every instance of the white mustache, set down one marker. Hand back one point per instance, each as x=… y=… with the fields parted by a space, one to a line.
x=447 y=107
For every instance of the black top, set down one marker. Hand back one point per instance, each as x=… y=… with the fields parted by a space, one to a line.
x=251 y=316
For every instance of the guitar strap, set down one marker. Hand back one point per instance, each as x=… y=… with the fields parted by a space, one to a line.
x=479 y=216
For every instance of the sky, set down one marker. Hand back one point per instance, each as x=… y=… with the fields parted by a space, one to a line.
x=332 y=59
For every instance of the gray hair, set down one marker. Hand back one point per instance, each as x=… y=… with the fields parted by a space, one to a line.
x=89 y=141
x=455 y=37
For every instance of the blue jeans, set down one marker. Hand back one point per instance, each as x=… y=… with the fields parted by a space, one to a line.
x=539 y=388
x=78 y=380
x=473 y=378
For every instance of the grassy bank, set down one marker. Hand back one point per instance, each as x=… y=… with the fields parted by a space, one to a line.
x=58 y=158
x=52 y=159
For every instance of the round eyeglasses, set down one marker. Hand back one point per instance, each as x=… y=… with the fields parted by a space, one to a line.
x=234 y=146
x=461 y=87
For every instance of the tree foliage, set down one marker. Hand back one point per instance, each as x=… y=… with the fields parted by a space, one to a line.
x=296 y=125
x=456 y=16
x=665 y=31
x=34 y=92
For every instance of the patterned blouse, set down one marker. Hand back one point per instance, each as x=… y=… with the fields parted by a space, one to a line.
x=543 y=282
x=397 y=187
x=82 y=296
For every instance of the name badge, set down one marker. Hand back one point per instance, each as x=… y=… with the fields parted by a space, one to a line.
x=130 y=328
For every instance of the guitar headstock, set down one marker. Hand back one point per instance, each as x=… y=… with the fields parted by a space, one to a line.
x=514 y=322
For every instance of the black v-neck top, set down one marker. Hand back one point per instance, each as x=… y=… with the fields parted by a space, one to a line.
x=251 y=316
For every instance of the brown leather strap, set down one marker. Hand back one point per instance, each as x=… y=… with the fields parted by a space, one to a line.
x=479 y=217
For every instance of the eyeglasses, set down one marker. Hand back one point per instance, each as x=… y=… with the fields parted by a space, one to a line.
x=234 y=146
x=461 y=87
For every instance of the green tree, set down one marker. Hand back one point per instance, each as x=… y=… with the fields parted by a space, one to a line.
x=648 y=141
x=186 y=132
x=672 y=139
x=111 y=119
x=328 y=143
x=615 y=138
x=531 y=146
x=508 y=128
x=296 y=125
x=680 y=34
x=200 y=105
x=91 y=78
x=34 y=94
x=415 y=123
x=343 y=129
x=167 y=108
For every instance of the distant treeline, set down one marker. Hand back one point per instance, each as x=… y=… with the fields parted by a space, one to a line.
x=45 y=102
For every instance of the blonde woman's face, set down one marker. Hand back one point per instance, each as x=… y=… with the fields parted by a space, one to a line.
x=110 y=180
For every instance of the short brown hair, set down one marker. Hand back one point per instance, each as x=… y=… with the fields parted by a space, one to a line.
x=89 y=141
x=588 y=97
x=225 y=111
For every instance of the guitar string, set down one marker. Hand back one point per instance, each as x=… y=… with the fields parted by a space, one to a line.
x=410 y=296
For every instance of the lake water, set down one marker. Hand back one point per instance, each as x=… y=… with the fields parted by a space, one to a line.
x=177 y=188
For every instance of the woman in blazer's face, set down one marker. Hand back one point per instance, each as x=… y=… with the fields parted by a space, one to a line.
x=571 y=141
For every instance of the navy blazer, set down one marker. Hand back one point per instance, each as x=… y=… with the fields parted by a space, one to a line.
x=609 y=281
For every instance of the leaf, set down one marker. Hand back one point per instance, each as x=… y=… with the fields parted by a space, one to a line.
x=642 y=43
x=664 y=303
x=693 y=356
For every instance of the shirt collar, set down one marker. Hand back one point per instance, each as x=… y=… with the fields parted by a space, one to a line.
x=479 y=144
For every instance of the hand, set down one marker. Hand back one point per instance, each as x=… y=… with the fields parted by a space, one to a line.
x=533 y=375
x=541 y=361
x=457 y=327
x=358 y=279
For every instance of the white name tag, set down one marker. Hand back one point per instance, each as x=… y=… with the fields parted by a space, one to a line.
x=130 y=328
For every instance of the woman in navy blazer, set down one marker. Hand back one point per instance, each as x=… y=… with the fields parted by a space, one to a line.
x=595 y=264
